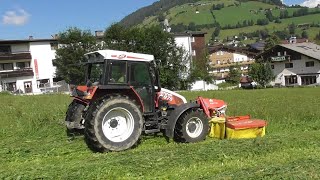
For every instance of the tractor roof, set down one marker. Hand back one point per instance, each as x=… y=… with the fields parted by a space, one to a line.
x=118 y=55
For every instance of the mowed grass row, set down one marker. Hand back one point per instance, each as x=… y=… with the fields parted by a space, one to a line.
x=34 y=144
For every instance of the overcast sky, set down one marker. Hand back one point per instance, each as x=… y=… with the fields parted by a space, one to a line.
x=43 y=18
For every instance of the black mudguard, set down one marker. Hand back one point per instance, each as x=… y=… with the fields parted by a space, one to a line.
x=174 y=116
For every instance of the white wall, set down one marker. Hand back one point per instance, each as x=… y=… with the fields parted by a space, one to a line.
x=44 y=55
x=239 y=57
x=299 y=67
x=203 y=86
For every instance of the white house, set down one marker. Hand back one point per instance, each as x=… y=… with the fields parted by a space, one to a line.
x=26 y=65
x=295 y=63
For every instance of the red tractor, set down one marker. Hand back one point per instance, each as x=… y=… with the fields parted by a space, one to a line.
x=123 y=98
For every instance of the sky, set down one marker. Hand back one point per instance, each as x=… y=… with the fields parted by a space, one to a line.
x=20 y=19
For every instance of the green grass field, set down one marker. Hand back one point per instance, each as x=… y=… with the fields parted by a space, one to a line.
x=34 y=144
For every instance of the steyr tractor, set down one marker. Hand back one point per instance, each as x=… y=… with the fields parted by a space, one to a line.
x=123 y=98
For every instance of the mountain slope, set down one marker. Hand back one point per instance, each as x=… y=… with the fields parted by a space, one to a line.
x=152 y=10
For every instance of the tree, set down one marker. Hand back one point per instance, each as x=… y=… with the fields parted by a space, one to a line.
x=244 y=23
x=317 y=38
x=284 y=14
x=292 y=28
x=200 y=69
x=261 y=73
x=271 y=41
x=217 y=31
x=234 y=74
x=304 y=34
x=74 y=44
x=269 y=15
x=192 y=26
x=151 y=40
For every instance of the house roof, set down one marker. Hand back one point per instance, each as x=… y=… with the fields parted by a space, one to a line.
x=213 y=49
x=18 y=41
x=308 y=49
x=258 y=46
x=189 y=33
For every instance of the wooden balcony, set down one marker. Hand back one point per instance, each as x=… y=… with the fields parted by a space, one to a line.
x=222 y=65
x=15 y=56
x=17 y=73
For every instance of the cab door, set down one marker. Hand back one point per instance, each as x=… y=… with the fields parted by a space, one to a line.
x=141 y=81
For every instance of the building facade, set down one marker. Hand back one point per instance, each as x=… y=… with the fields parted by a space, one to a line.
x=193 y=43
x=222 y=58
x=26 y=65
x=294 y=64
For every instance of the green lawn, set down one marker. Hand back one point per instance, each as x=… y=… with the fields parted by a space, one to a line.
x=34 y=144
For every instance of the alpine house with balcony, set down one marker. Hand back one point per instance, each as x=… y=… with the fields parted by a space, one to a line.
x=294 y=64
x=26 y=65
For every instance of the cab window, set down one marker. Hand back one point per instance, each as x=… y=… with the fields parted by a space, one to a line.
x=118 y=72
x=139 y=74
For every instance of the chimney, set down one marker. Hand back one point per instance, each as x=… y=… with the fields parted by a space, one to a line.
x=99 y=33
x=30 y=37
x=55 y=36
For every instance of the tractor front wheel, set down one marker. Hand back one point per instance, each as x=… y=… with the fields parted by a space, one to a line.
x=114 y=124
x=74 y=120
x=192 y=126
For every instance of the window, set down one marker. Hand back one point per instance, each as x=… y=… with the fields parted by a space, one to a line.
x=272 y=66
x=5 y=49
x=118 y=72
x=279 y=53
x=285 y=53
x=139 y=74
x=11 y=86
x=193 y=52
x=43 y=83
x=22 y=65
x=310 y=64
x=288 y=65
x=290 y=80
x=54 y=46
x=6 y=66
x=95 y=73
x=306 y=80
x=218 y=62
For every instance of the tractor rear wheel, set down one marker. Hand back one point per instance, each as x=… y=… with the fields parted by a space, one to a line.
x=74 y=120
x=114 y=124
x=192 y=126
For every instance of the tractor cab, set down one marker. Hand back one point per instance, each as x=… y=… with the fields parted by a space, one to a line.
x=132 y=74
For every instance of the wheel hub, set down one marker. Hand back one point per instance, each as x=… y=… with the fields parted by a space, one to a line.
x=114 y=123
x=192 y=127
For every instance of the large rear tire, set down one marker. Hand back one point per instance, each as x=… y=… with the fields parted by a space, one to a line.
x=192 y=126
x=74 y=119
x=113 y=124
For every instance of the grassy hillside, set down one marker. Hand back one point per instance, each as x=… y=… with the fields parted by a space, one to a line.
x=34 y=145
x=232 y=15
